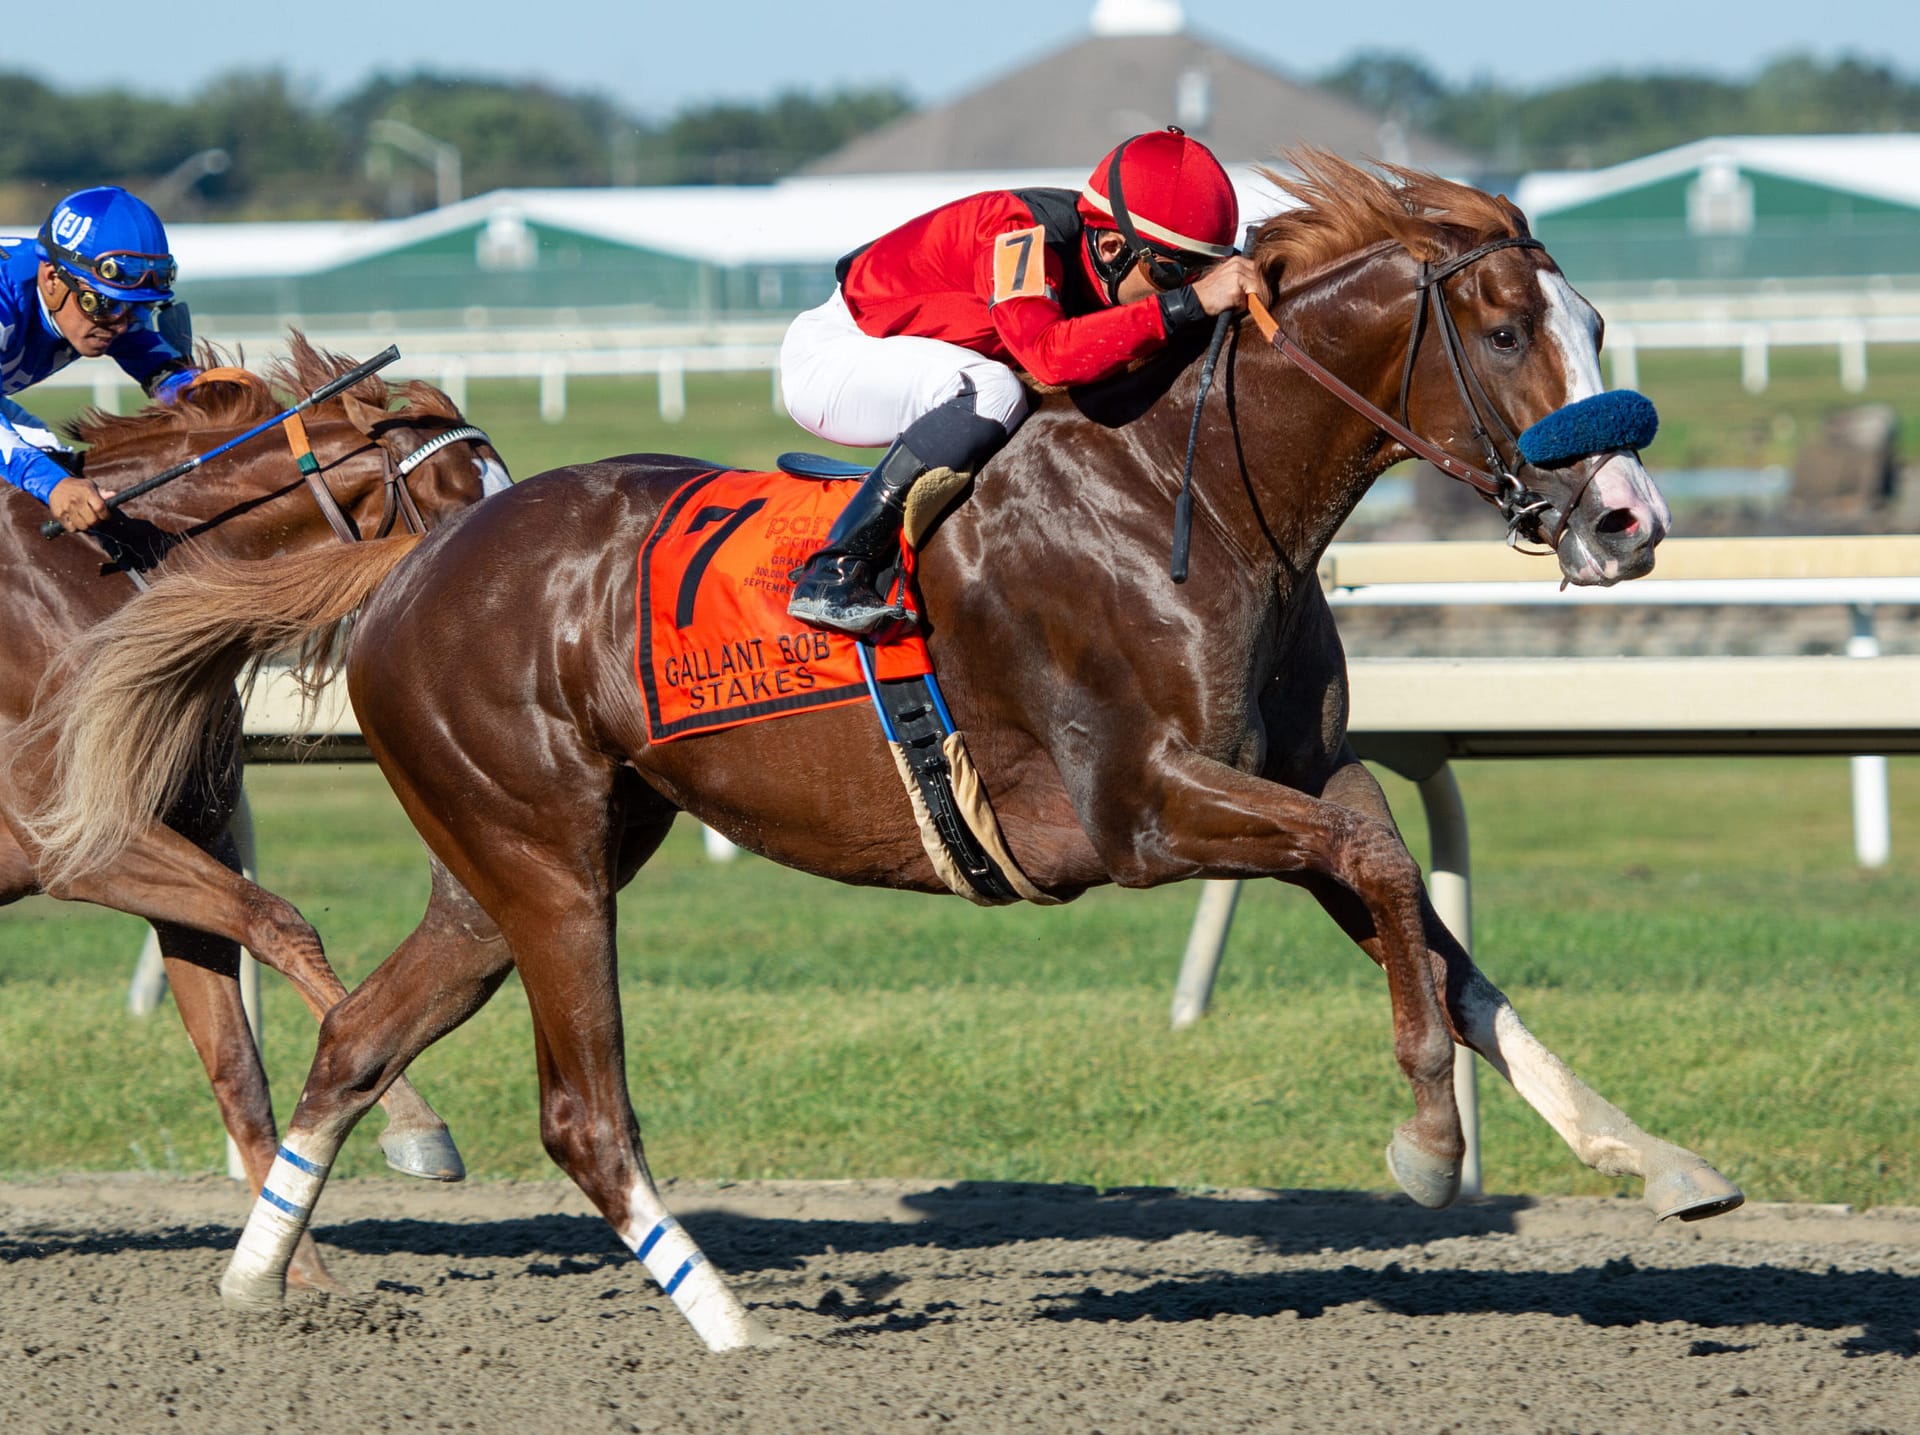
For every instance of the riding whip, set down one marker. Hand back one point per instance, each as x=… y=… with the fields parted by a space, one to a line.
x=1183 y=505
x=53 y=528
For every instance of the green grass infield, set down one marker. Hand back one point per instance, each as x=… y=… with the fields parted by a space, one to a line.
x=1692 y=937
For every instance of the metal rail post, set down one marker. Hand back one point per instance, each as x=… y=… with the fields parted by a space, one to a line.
x=1450 y=884
x=1872 y=825
x=1208 y=939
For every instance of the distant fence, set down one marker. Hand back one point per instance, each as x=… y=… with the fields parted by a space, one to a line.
x=551 y=367
x=554 y=357
x=1755 y=340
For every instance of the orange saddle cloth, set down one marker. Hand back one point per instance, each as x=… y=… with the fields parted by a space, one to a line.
x=714 y=646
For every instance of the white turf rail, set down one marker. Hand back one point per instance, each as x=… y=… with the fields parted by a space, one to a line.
x=1537 y=707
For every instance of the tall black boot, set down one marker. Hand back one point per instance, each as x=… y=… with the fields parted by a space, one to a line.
x=835 y=587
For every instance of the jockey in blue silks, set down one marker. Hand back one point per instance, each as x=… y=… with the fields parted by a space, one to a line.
x=98 y=280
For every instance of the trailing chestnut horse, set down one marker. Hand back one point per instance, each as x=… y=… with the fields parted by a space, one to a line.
x=182 y=874
x=1127 y=728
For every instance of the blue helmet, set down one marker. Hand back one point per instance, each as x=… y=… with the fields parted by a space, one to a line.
x=113 y=242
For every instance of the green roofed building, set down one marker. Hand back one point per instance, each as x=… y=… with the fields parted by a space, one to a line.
x=1732 y=211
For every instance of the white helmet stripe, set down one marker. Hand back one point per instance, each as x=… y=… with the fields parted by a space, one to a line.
x=1157 y=231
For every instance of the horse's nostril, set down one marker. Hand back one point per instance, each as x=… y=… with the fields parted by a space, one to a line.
x=1618 y=520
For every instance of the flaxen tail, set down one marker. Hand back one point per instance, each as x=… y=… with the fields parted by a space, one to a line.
x=137 y=700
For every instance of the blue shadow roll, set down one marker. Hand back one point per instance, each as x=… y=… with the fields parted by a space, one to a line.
x=1617 y=419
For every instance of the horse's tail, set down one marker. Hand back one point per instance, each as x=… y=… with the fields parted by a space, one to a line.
x=145 y=688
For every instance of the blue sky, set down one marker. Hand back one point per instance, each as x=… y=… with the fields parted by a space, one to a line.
x=656 y=58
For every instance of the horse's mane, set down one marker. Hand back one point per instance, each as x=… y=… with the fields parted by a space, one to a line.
x=289 y=379
x=1345 y=208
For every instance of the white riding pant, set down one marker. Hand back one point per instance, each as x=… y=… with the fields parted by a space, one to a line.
x=850 y=388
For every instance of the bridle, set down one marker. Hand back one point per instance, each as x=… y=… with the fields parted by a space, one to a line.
x=398 y=506
x=1520 y=505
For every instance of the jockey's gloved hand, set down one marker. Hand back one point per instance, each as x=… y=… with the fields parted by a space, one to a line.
x=173 y=385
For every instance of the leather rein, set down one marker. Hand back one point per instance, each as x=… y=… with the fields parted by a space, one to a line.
x=399 y=506
x=1521 y=506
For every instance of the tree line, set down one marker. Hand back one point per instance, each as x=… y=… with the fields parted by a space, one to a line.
x=1609 y=118
x=253 y=145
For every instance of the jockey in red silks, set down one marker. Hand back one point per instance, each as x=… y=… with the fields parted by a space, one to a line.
x=918 y=345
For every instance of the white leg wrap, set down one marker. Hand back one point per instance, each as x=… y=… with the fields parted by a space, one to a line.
x=280 y=1214
x=682 y=1271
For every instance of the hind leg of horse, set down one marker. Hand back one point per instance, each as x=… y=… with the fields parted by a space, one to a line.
x=16 y=870
x=566 y=961
x=202 y=971
x=440 y=975
x=1676 y=1181
x=164 y=877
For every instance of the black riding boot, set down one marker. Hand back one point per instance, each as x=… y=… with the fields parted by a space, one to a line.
x=835 y=587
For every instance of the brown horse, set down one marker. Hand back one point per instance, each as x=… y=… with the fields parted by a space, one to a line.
x=183 y=873
x=1128 y=729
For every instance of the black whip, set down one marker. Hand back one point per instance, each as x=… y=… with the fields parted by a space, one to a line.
x=1183 y=506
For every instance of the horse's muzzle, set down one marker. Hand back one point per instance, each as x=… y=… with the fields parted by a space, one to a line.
x=1617 y=523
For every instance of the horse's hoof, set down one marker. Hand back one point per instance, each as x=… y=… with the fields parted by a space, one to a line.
x=427 y=1152
x=1691 y=1191
x=310 y=1274
x=750 y=1334
x=1431 y=1181
x=251 y=1294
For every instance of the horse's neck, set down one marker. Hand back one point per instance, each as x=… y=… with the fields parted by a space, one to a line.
x=1309 y=458
x=1280 y=463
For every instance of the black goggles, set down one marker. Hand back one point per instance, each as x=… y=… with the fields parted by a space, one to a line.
x=93 y=303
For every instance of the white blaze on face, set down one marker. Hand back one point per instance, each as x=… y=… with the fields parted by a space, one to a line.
x=1571 y=329
x=493 y=476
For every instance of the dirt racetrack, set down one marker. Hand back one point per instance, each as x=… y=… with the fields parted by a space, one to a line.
x=907 y=1306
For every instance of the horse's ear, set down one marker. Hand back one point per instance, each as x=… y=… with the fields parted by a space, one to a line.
x=1515 y=216
x=361 y=414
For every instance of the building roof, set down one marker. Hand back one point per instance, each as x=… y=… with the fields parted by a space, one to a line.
x=1882 y=166
x=1066 y=109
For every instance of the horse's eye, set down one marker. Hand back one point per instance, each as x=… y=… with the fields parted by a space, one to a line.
x=1504 y=340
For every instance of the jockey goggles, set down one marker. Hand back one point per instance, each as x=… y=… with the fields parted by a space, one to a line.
x=93 y=303
x=120 y=269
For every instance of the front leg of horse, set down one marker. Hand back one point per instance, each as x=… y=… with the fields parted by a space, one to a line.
x=166 y=878
x=1218 y=822
x=1677 y=1182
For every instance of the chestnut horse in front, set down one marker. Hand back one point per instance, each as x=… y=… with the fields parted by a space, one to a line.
x=1128 y=729
x=183 y=874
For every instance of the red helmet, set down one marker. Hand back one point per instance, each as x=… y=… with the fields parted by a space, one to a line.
x=1167 y=190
